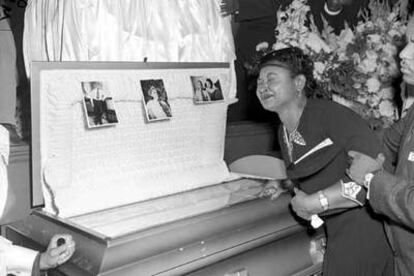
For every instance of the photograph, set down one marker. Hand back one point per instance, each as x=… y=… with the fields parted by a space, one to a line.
x=206 y=89
x=98 y=104
x=156 y=102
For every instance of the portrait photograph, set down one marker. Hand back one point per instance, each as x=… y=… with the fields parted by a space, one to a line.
x=155 y=98
x=206 y=89
x=98 y=104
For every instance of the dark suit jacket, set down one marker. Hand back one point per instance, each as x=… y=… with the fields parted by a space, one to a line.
x=393 y=194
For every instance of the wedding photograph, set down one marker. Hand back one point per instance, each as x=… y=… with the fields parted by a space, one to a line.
x=206 y=89
x=98 y=104
x=155 y=100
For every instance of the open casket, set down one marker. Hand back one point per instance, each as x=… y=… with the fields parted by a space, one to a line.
x=149 y=197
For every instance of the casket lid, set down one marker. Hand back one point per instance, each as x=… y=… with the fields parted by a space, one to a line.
x=77 y=169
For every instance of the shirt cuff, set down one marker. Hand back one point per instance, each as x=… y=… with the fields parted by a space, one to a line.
x=20 y=259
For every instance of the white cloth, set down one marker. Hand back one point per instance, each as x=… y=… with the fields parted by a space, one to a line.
x=13 y=259
x=128 y=30
x=8 y=73
x=4 y=160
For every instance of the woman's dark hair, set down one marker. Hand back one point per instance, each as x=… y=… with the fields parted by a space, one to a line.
x=156 y=90
x=210 y=81
x=294 y=60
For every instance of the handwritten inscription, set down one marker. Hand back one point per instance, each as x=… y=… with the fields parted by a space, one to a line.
x=8 y=6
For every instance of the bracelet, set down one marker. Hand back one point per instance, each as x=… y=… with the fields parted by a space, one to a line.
x=323 y=200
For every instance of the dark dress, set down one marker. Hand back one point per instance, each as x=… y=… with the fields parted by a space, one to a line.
x=356 y=241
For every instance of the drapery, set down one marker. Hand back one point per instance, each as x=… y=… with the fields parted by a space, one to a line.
x=8 y=73
x=127 y=30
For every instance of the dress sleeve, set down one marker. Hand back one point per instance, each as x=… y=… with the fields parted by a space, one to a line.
x=352 y=132
x=394 y=197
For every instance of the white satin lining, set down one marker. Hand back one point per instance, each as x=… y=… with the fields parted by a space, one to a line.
x=4 y=160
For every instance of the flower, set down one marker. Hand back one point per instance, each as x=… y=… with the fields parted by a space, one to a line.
x=386 y=108
x=356 y=67
x=373 y=85
x=316 y=44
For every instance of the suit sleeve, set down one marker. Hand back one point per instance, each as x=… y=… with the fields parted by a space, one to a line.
x=394 y=197
x=20 y=259
x=392 y=140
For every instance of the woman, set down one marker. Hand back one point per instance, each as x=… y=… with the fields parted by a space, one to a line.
x=157 y=108
x=213 y=92
x=201 y=94
x=315 y=136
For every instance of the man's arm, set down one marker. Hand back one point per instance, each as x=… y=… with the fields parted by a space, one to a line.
x=393 y=197
x=389 y=195
x=18 y=259
x=392 y=140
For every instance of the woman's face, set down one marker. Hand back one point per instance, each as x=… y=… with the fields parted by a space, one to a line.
x=199 y=85
x=275 y=87
x=153 y=93
x=407 y=54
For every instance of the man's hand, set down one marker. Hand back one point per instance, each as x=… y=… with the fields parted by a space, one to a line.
x=57 y=254
x=363 y=164
x=305 y=205
x=272 y=189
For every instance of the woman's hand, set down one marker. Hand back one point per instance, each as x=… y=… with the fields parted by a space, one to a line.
x=60 y=249
x=305 y=205
x=272 y=189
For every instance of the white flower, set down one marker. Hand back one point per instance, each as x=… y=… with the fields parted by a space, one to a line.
x=316 y=44
x=387 y=109
x=387 y=93
x=319 y=67
x=345 y=37
x=360 y=27
x=373 y=100
x=389 y=49
x=374 y=38
x=369 y=25
x=373 y=85
x=362 y=99
x=297 y=4
x=262 y=46
x=279 y=45
x=356 y=85
x=368 y=65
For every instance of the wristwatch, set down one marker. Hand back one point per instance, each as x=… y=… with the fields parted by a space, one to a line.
x=323 y=200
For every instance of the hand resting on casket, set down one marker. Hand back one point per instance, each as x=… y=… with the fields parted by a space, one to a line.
x=59 y=250
x=273 y=189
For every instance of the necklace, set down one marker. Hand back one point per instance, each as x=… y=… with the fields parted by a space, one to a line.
x=293 y=137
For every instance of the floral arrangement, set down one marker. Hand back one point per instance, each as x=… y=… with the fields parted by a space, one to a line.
x=355 y=68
